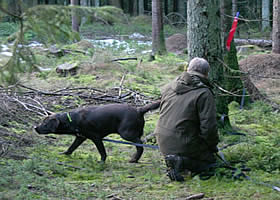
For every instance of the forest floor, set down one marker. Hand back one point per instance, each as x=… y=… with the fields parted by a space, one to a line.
x=33 y=168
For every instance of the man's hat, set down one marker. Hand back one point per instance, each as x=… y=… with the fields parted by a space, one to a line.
x=199 y=66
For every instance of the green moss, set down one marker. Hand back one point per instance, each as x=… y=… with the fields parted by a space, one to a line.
x=83 y=79
x=261 y=126
x=49 y=175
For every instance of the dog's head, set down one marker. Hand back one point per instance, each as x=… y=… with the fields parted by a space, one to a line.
x=48 y=125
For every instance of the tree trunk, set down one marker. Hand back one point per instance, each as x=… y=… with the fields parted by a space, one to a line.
x=130 y=7
x=204 y=40
x=96 y=3
x=12 y=7
x=175 y=6
x=276 y=27
x=30 y=3
x=223 y=22
x=60 y=2
x=116 y=3
x=135 y=8
x=265 y=14
x=52 y=2
x=141 y=7
x=198 y=24
x=232 y=81
x=158 y=42
x=165 y=5
x=234 y=7
x=147 y=5
x=182 y=7
x=75 y=17
x=84 y=2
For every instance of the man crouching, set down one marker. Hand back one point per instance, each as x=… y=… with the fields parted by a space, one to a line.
x=187 y=127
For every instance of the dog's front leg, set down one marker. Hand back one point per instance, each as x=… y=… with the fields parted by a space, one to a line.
x=77 y=142
x=139 y=151
x=101 y=149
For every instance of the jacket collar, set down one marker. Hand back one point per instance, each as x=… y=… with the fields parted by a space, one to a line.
x=186 y=82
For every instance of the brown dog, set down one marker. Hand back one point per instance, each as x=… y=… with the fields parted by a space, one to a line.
x=97 y=122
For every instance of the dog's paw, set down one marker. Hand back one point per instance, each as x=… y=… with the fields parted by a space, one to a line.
x=65 y=153
x=101 y=162
x=133 y=161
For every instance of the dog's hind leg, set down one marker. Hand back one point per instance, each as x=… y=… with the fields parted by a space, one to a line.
x=139 y=151
x=77 y=142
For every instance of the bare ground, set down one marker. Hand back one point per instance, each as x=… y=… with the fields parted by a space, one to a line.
x=264 y=72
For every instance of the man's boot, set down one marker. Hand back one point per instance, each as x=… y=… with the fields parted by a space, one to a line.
x=174 y=164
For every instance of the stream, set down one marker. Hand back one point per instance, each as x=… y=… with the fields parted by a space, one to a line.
x=116 y=44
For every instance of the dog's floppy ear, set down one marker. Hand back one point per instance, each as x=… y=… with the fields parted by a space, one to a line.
x=53 y=124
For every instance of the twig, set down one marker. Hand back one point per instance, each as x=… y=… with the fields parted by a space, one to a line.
x=195 y=196
x=25 y=106
x=42 y=107
x=228 y=92
x=148 y=137
x=121 y=85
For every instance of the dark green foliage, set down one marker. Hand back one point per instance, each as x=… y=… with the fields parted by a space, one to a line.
x=109 y=14
x=260 y=147
x=7 y=28
x=232 y=82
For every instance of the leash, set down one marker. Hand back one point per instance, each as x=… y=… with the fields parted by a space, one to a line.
x=241 y=173
x=220 y=155
x=148 y=145
x=131 y=143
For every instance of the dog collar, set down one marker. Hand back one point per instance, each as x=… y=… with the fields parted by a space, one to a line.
x=69 y=117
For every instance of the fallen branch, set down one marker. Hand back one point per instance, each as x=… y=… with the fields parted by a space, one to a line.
x=121 y=59
x=257 y=42
x=74 y=50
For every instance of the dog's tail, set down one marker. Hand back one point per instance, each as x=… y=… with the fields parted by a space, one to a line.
x=149 y=107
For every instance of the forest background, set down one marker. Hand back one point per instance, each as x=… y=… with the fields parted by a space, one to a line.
x=59 y=55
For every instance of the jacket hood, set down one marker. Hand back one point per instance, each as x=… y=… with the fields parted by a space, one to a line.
x=186 y=82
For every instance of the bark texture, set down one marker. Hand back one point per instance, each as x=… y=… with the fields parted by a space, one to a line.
x=276 y=27
x=182 y=7
x=158 y=41
x=204 y=40
x=116 y=3
x=141 y=7
x=232 y=81
x=75 y=17
x=265 y=14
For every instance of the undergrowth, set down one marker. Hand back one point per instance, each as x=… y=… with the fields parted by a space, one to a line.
x=46 y=174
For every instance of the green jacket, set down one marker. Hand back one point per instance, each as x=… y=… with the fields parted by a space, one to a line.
x=187 y=124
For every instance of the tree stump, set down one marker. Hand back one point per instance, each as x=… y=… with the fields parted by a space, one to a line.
x=67 y=68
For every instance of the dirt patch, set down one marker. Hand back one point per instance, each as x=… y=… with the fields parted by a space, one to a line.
x=92 y=68
x=177 y=43
x=264 y=72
